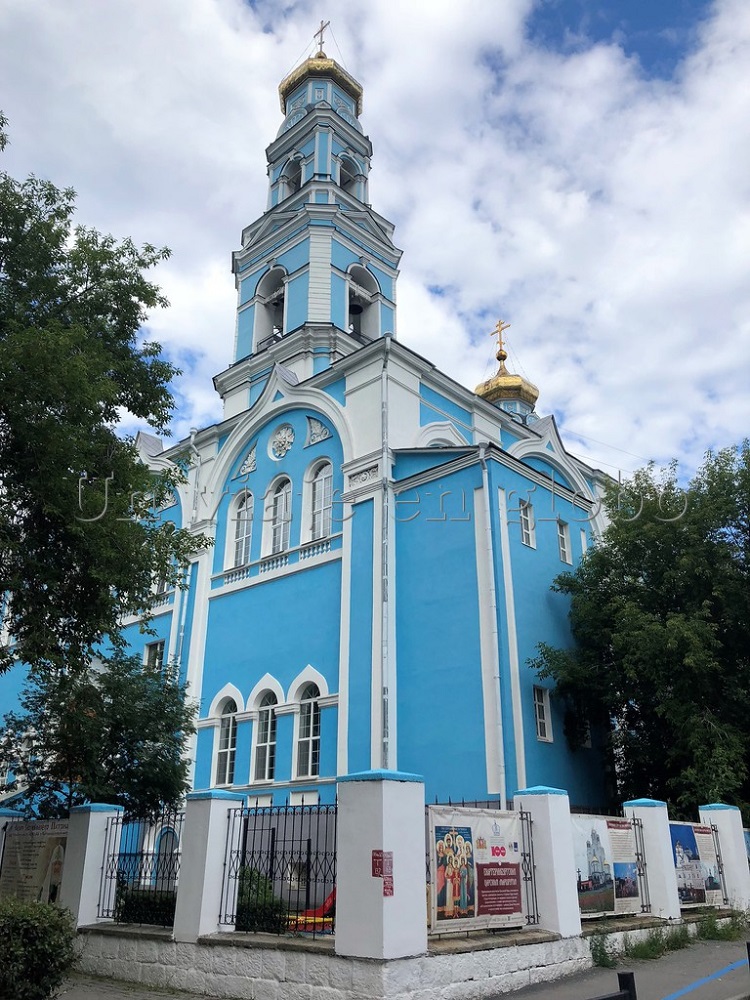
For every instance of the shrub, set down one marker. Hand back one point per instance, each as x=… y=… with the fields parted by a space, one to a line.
x=602 y=952
x=257 y=907
x=731 y=929
x=37 y=949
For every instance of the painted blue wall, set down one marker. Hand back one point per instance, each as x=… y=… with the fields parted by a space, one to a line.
x=360 y=642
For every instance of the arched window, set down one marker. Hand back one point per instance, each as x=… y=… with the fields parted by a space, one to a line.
x=281 y=516
x=308 y=739
x=322 y=501
x=243 y=529
x=269 y=312
x=265 y=744
x=293 y=177
x=363 y=303
x=348 y=174
x=227 y=744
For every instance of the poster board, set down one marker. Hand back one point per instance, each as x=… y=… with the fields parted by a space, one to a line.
x=746 y=834
x=33 y=860
x=696 y=865
x=606 y=866
x=475 y=861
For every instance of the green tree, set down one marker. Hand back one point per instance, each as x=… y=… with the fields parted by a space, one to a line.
x=81 y=539
x=660 y=613
x=113 y=731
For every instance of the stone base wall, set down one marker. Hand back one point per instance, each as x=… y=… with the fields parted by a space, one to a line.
x=225 y=967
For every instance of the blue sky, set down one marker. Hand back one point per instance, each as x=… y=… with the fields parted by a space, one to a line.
x=657 y=32
x=576 y=168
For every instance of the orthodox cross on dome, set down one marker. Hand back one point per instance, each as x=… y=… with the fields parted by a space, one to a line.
x=500 y=327
x=321 y=29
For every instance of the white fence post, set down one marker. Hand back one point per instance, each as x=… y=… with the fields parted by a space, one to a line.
x=728 y=821
x=657 y=845
x=381 y=897
x=84 y=860
x=204 y=844
x=552 y=833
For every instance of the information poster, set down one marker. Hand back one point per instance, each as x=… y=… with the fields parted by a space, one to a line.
x=33 y=859
x=747 y=844
x=696 y=865
x=606 y=866
x=476 y=869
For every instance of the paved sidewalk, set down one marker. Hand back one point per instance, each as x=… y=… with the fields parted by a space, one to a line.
x=676 y=976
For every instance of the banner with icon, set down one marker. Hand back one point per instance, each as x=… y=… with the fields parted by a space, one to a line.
x=475 y=863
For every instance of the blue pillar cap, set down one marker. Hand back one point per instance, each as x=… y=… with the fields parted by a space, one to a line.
x=719 y=805
x=11 y=814
x=647 y=803
x=97 y=807
x=216 y=793
x=380 y=775
x=540 y=790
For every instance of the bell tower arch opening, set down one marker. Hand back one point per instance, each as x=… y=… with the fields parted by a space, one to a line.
x=291 y=177
x=269 y=313
x=363 y=313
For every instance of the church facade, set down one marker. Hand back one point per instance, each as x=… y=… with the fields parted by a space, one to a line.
x=385 y=538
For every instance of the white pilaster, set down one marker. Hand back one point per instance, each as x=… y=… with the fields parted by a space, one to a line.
x=381 y=909
x=204 y=844
x=728 y=821
x=552 y=834
x=84 y=857
x=657 y=845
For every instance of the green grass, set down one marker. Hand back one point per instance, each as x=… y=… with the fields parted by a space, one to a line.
x=602 y=952
x=657 y=943
x=732 y=929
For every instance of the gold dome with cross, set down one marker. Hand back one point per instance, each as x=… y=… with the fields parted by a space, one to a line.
x=504 y=385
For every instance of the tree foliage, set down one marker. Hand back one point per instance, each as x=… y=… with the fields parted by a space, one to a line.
x=114 y=731
x=81 y=539
x=660 y=611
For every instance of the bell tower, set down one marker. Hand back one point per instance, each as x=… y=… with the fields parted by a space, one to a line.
x=316 y=275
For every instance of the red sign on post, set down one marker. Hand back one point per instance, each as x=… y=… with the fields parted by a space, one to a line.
x=382 y=867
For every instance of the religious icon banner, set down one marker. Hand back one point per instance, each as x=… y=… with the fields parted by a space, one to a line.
x=33 y=860
x=696 y=865
x=606 y=865
x=475 y=860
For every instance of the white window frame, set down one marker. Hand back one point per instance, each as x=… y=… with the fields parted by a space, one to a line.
x=226 y=755
x=528 y=525
x=241 y=529
x=265 y=738
x=307 y=744
x=321 y=501
x=542 y=715
x=278 y=516
x=563 y=542
x=153 y=655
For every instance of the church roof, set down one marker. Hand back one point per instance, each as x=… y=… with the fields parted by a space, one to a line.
x=317 y=66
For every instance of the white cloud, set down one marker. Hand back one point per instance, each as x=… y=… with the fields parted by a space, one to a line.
x=607 y=215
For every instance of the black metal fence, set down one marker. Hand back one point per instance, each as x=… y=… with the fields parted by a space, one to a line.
x=280 y=870
x=141 y=869
x=626 y=988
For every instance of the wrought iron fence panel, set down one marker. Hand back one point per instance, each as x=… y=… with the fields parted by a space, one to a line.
x=528 y=868
x=720 y=864
x=280 y=870
x=141 y=869
x=640 y=860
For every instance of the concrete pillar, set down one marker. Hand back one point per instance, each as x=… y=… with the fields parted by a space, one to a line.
x=657 y=846
x=84 y=860
x=381 y=909
x=204 y=844
x=728 y=821
x=552 y=834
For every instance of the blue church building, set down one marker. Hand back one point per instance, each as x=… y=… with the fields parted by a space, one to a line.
x=384 y=538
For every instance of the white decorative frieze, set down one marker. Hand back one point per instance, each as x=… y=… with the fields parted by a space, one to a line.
x=250 y=463
x=316 y=431
x=363 y=476
x=281 y=441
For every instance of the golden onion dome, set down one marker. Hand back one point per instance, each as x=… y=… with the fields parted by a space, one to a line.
x=317 y=66
x=504 y=385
